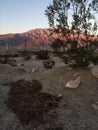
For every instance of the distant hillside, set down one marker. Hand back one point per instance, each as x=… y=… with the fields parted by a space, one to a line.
x=36 y=37
x=33 y=38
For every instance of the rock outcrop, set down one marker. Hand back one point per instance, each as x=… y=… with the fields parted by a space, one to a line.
x=73 y=83
x=94 y=71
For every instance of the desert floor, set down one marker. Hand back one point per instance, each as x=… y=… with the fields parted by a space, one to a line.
x=77 y=108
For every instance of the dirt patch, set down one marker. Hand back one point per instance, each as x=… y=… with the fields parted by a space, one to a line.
x=28 y=102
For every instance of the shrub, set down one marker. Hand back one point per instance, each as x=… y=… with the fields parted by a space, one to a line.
x=42 y=55
x=25 y=54
x=95 y=59
x=83 y=22
x=28 y=57
x=57 y=44
x=65 y=58
x=48 y=64
x=16 y=55
x=80 y=56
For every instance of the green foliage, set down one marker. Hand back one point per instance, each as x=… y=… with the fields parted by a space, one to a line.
x=16 y=55
x=57 y=44
x=48 y=64
x=80 y=56
x=77 y=54
x=11 y=61
x=42 y=55
x=82 y=22
x=65 y=58
x=94 y=5
x=5 y=55
x=95 y=59
x=26 y=54
x=57 y=15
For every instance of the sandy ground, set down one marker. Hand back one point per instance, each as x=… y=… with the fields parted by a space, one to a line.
x=76 y=109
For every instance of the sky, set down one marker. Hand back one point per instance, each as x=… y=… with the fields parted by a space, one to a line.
x=18 y=16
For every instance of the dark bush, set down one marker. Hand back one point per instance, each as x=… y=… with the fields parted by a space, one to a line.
x=95 y=59
x=25 y=54
x=57 y=44
x=9 y=55
x=65 y=58
x=80 y=56
x=28 y=102
x=10 y=61
x=48 y=64
x=16 y=55
x=42 y=55
x=28 y=57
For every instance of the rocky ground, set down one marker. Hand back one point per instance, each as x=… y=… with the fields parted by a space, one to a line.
x=76 y=110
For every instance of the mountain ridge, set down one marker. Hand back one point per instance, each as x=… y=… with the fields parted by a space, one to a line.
x=39 y=36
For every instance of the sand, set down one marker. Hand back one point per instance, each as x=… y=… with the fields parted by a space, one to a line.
x=77 y=109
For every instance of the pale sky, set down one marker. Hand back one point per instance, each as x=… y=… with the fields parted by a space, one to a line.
x=18 y=16
x=22 y=15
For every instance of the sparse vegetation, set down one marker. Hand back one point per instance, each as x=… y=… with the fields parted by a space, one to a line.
x=8 y=58
x=79 y=48
x=48 y=64
x=26 y=54
x=42 y=55
x=57 y=45
x=9 y=55
x=81 y=55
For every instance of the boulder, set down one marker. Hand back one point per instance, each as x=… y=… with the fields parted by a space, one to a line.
x=91 y=65
x=95 y=107
x=94 y=71
x=73 y=83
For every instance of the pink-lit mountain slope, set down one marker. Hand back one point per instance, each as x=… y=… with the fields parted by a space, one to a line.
x=39 y=37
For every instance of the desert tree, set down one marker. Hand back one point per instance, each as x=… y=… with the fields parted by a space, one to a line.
x=57 y=14
x=71 y=18
x=57 y=44
x=94 y=5
x=83 y=22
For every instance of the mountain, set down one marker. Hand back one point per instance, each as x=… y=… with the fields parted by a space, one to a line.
x=36 y=37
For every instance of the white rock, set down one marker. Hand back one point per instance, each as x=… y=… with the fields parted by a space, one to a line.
x=59 y=95
x=90 y=65
x=94 y=71
x=97 y=102
x=33 y=70
x=70 y=68
x=73 y=83
x=95 y=107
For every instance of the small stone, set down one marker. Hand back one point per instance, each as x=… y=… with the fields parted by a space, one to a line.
x=90 y=65
x=69 y=68
x=60 y=95
x=73 y=83
x=97 y=102
x=20 y=64
x=33 y=70
x=94 y=71
x=95 y=107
